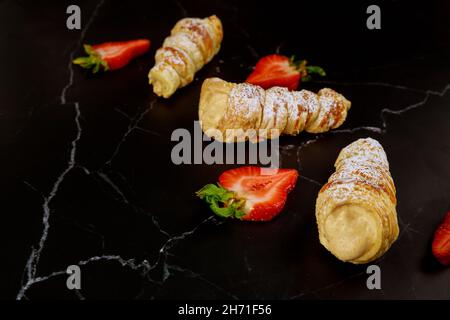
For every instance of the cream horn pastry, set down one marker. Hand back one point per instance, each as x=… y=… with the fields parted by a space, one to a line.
x=193 y=42
x=237 y=112
x=355 y=209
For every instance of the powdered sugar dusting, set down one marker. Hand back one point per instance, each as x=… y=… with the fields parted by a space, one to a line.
x=361 y=180
x=245 y=97
x=275 y=108
x=186 y=54
x=363 y=162
x=290 y=112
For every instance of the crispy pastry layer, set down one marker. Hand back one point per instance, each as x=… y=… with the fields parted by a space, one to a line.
x=247 y=112
x=355 y=209
x=193 y=43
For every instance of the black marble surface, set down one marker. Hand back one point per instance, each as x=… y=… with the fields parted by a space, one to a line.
x=87 y=179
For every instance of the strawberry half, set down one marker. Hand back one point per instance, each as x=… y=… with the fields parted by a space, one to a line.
x=279 y=70
x=441 y=241
x=112 y=55
x=250 y=193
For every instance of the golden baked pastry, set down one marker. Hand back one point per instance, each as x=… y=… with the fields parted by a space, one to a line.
x=193 y=43
x=237 y=112
x=355 y=209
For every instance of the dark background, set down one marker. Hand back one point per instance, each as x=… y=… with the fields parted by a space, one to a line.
x=129 y=217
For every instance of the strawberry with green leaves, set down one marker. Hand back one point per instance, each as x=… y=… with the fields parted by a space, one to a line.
x=112 y=55
x=250 y=193
x=278 y=70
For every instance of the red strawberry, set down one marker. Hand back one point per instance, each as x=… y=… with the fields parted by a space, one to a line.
x=441 y=241
x=250 y=193
x=112 y=55
x=278 y=70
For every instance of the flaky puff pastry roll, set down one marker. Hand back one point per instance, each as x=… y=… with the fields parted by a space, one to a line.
x=193 y=43
x=232 y=112
x=355 y=209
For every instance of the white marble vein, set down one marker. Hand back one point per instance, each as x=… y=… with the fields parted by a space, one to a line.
x=76 y=48
x=376 y=84
x=33 y=260
x=428 y=94
x=183 y=10
x=384 y=111
x=116 y=189
x=192 y=274
x=317 y=183
x=133 y=125
x=327 y=287
x=144 y=266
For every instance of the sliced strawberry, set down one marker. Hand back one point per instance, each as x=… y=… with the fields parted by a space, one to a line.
x=441 y=241
x=275 y=70
x=278 y=70
x=250 y=193
x=112 y=55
